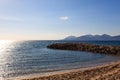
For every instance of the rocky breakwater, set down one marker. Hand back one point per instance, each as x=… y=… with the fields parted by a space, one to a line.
x=114 y=50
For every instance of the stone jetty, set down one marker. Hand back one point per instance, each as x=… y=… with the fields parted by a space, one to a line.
x=115 y=50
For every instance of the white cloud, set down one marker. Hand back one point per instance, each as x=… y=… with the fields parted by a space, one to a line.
x=64 y=18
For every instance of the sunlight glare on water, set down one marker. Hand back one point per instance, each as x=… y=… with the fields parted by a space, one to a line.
x=3 y=56
x=4 y=43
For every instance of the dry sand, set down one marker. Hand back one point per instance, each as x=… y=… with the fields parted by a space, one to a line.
x=106 y=72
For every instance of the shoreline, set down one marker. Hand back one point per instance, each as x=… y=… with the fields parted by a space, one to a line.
x=99 y=71
x=61 y=75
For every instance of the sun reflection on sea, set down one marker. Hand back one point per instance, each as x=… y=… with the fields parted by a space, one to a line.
x=4 y=44
x=5 y=41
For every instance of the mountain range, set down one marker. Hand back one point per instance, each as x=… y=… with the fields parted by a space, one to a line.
x=104 y=37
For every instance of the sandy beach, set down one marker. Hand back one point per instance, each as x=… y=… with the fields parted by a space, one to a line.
x=109 y=71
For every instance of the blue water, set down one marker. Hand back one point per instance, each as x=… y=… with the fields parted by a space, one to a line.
x=18 y=58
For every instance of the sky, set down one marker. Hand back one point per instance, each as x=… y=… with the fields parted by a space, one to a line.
x=57 y=19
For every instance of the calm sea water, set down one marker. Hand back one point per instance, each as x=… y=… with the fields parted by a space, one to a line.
x=18 y=58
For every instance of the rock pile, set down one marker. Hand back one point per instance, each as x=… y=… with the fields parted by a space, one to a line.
x=115 y=50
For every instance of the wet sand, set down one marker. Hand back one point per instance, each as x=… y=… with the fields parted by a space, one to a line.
x=109 y=71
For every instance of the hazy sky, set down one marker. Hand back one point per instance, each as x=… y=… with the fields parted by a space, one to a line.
x=56 y=19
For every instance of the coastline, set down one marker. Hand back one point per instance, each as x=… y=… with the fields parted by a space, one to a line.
x=99 y=72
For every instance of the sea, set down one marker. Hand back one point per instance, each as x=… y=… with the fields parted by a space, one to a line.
x=20 y=58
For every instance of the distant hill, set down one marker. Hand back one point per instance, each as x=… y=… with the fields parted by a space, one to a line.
x=70 y=38
x=90 y=37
